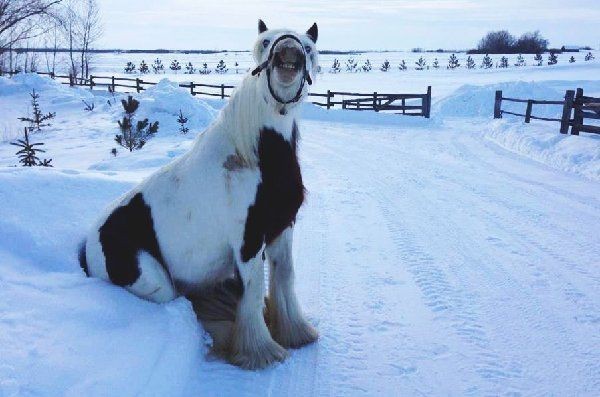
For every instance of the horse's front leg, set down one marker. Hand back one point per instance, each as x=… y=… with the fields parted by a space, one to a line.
x=286 y=321
x=252 y=346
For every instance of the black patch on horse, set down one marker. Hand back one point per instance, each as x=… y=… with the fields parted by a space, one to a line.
x=83 y=259
x=128 y=230
x=279 y=195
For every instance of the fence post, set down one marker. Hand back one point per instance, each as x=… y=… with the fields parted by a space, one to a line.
x=528 y=111
x=137 y=84
x=329 y=99
x=375 y=108
x=91 y=82
x=566 y=114
x=192 y=88
x=112 y=82
x=403 y=105
x=577 y=115
x=428 y=107
x=71 y=79
x=52 y=76
x=222 y=91
x=498 y=105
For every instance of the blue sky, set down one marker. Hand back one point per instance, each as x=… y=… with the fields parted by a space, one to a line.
x=344 y=24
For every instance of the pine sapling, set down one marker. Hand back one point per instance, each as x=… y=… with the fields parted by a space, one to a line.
x=552 y=59
x=205 y=69
x=402 y=65
x=158 y=66
x=36 y=121
x=134 y=135
x=335 y=68
x=130 y=67
x=470 y=63
x=538 y=59
x=182 y=123
x=435 y=64
x=28 y=153
x=175 y=66
x=89 y=106
x=589 y=56
x=189 y=68
x=367 y=66
x=421 y=63
x=487 y=62
x=221 y=67
x=520 y=61
x=351 y=65
x=503 y=62
x=453 y=62
x=385 y=66
x=572 y=59
x=144 y=69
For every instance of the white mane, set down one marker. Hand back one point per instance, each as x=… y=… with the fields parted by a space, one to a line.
x=251 y=106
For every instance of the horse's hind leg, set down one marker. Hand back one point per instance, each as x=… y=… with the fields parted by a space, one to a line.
x=286 y=321
x=153 y=283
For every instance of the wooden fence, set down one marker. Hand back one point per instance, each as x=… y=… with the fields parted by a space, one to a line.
x=346 y=100
x=575 y=103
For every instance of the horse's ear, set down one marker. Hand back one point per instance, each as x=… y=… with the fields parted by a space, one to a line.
x=313 y=32
x=261 y=26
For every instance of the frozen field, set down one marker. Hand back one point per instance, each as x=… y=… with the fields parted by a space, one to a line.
x=453 y=256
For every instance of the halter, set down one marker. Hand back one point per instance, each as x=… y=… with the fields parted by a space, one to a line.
x=265 y=64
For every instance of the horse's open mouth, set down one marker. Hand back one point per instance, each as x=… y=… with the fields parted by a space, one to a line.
x=288 y=62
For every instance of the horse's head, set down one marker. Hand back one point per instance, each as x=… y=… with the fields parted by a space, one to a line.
x=287 y=63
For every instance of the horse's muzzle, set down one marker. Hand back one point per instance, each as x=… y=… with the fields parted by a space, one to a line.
x=288 y=61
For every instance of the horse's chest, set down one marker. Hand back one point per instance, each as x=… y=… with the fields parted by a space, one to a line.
x=279 y=194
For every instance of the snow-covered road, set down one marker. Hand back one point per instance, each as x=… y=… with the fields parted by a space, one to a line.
x=432 y=260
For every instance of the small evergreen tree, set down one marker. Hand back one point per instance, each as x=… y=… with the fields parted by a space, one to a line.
x=335 y=68
x=157 y=66
x=421 y=63
x=130 y=137
x=589 y=56
x=385 y=66
x=130 y=67
x=487 y=62
x=175 y=66
x=221 y=67
x=144 y=67
x=182 y=123
x=367 y=66
x=351 y=65
x=539 y=59
x=520 y=61
x=189 y=68
x=470 y=63
x=402 y=65
x=37 y=119
x=435 y=64
x=205 y=69
x=572 y=59
x=237 y=67
x=503 y=62
x=552 y=59
x=453 y=62
x=28 y=153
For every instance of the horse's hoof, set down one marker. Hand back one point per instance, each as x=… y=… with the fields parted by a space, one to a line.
x=261 y=356
x=296 y=335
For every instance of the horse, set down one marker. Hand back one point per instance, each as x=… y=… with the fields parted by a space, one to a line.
x=203 y=225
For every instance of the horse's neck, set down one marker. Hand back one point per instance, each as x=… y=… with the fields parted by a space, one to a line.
x=247 y=113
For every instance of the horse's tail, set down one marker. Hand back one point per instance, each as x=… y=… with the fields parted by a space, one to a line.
x=216 y=308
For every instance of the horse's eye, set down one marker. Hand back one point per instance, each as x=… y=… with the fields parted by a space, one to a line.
x=308 y=49
x=266 y=43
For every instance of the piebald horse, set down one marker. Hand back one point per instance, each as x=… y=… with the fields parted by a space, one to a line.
x=203 y=225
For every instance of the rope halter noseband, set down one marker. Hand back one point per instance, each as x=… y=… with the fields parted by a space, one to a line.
x=265 y=65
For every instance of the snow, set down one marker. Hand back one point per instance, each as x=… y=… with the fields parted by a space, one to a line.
x=451 y=256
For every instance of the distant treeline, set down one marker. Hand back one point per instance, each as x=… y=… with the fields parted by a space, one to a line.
x=502 y=42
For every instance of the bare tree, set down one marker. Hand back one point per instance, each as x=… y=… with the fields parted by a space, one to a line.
x=82 y=29
x=19 y=19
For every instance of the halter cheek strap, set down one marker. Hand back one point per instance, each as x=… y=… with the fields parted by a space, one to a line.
x=265 y=65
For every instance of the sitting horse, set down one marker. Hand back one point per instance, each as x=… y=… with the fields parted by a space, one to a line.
x=203 y=225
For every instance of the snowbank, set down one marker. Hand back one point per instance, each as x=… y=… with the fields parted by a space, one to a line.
x=542 y=142
x=478 y=101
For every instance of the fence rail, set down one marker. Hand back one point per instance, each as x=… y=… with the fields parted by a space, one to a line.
x=575 y=103
x=347 y=100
